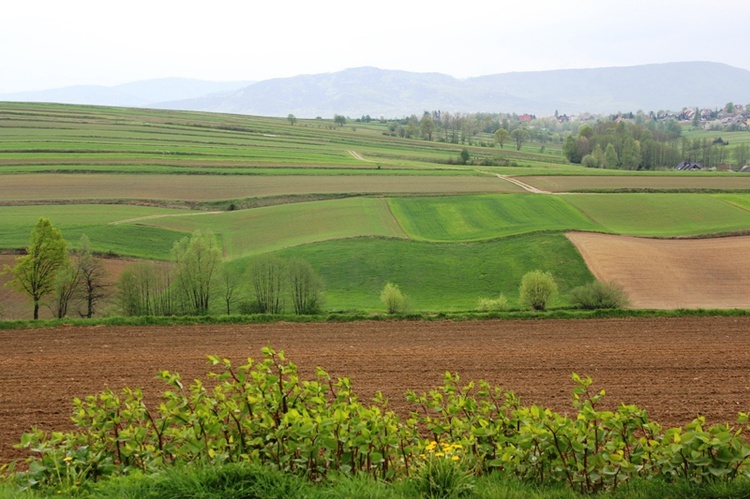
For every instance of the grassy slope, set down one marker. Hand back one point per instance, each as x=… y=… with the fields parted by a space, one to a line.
x=437 y=276
x=275 y=227
x=662 y=214
x=470 y=218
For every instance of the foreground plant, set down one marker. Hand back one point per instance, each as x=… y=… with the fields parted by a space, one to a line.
x=264 y=414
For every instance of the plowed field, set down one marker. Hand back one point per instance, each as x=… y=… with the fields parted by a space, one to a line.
x=676 y=368
x=671 y=273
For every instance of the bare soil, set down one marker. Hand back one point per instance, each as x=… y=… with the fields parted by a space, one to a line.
x=671 y=273
x=676 y=368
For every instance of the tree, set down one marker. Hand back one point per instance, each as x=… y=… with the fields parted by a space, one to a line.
x=339 y=119
x=91 y=274
x=305 y=287
x=741 y=154
x=197 y=260
x=465 y=156
x=67 y=284
x=521 y=136
x=610 y=157
x=292 y=119
x=630 y=158
x=393 y=299
x=229 y=284
x=35 y=274
x=267 y=274
x=537 y=289
x=428 y=127
x=501 y=135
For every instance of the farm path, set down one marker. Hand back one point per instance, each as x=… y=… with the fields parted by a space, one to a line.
x=150 y=217
x=676 y=368
x=358 y=156
x=515 y=181
x=671 y=273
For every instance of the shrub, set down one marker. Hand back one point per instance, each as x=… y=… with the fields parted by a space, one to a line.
x=489 y=305
x=537 y=289
x=393 y=299
x=597 y=295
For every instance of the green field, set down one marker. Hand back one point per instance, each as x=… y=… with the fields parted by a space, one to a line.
x=662 y=214
x=472 y=218
x=362 y=206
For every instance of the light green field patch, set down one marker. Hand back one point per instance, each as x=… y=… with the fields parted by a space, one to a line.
x=662 y=214
x=468 y=218
x=271 y=228
x=17 y=222
x=739 y=200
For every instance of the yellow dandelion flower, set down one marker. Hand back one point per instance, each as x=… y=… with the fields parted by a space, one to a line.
x=68 y=459
x=439 y=454
x=455 y=458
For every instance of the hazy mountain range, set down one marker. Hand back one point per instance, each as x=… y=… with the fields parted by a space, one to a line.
x=377 y=92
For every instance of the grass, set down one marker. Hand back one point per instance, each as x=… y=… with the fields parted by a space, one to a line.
x=437 y=277
x=661 y=215
x=17 y=222
x=468 y=218
x=273 y=228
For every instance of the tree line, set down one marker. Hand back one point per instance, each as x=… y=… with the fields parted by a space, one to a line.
x=634 y=146
x=196 y=281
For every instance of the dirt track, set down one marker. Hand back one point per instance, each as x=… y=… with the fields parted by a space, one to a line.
x=675 y=368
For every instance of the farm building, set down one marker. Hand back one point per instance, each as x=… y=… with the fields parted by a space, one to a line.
x=688 y=166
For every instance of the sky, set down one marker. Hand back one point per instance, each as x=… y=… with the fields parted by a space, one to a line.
x=48 y=44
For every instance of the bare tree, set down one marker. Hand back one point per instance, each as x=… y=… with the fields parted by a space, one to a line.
x=267 y=274
x=92 y=276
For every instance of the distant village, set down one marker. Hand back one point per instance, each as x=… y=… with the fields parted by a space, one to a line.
x=732 y=118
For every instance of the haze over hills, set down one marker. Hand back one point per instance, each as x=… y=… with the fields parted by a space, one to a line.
x=377 y=92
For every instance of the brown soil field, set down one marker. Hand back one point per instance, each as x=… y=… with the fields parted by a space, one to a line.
x=63 y=187
x=671 y=273
x=612 y=182
x=676 y=368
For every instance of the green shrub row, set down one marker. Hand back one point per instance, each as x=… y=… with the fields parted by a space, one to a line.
x=264 y=414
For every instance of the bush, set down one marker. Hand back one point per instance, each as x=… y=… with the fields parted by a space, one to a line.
x=598 y=295
x=489 y=305
x=393 y=299
x=537 y=289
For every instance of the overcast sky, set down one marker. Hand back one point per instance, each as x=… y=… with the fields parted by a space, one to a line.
x=54 y=43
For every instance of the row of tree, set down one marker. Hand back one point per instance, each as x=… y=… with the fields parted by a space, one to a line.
x=191 y=284
x=632 y=146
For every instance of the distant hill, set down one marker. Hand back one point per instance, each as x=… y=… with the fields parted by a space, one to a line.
x=143 y=93
x=377 y=92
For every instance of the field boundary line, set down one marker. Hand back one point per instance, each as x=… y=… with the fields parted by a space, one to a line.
x=151 y=217
x=515 y=181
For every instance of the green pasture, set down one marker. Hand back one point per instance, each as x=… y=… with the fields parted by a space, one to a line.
x=471 y=218
x=272 y=228
x=660 y=215
x=17 y=222
x=436 y=276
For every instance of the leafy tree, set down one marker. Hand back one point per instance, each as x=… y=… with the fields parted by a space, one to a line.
x=537 y=289
x=729 y=107
x=197 y=260
x=465 y=156
x=292 y=119
x=501 y=136
x=610 y=157
x=339 y=119
x=741 y=154
x=393 y=299
x=36 y=273
x=305 y=287
x=268 y=276
x=428 y=127
x=631 y=154
x=521 y=136
x=91 y=273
